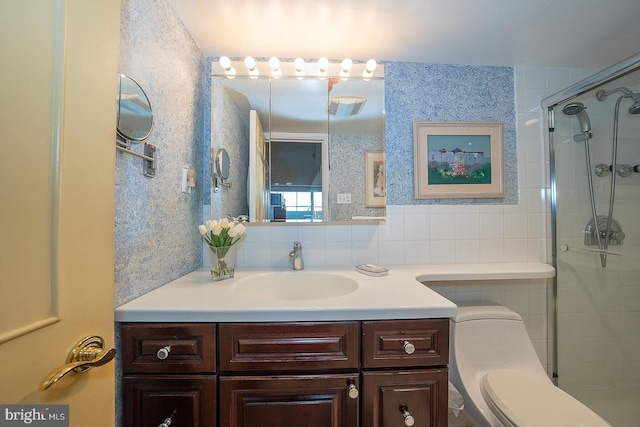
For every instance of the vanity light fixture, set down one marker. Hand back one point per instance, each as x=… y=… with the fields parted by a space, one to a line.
x=346 y=68
x=299 y=68
x=274 y=63
x=369 y=67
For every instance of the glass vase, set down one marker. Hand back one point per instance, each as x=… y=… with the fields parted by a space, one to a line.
x=223 y=261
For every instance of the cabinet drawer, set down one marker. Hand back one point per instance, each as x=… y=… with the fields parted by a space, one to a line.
x=188 y=400
x=405 y=343
x=288 y=346
x=188 y=347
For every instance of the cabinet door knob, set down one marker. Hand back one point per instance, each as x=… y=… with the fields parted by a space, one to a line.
x=408 y=419
x=163 y=353
x=353 y=391
x=408 y=347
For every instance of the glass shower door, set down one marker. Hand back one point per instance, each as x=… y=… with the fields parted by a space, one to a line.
x=598 y=275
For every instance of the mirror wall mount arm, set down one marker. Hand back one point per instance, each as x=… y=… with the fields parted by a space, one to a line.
x=149 y=156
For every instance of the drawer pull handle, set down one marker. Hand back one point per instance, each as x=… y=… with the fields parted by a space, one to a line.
x=353 y=391
x=408 y=419
x=167 y=422
x=163 y=353
x=408 y=347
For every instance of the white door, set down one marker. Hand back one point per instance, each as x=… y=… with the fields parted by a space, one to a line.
x=258 y=179
x=58 y=81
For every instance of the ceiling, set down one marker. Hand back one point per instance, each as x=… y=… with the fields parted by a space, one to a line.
x=563 y=33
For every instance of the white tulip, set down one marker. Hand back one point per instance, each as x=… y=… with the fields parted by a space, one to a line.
x=233 y=232
x=210 y=224
x=216 y=230
x=240 y=229
x=224 y=223
x=203 y=229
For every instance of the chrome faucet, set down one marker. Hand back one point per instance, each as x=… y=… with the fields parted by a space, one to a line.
x=295 y=256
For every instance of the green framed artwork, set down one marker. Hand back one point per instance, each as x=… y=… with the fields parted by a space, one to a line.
x=458 y=160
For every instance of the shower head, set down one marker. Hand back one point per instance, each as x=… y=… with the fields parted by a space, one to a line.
x=626 y=93
x=578 y=109
x=635 y=107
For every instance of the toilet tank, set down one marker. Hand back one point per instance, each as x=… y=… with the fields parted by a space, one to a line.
x=489 y=337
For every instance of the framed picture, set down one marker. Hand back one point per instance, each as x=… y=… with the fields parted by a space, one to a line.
x=375 y=192
x=458 y=160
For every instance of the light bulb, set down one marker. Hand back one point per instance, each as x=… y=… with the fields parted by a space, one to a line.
x=323 y=63
x=299 y=66
x=346 y=65
x=371 y=65
x=274 y=63
x=250 y=63
x=225 y=63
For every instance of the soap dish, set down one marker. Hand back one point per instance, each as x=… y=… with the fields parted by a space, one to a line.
x=372 y=270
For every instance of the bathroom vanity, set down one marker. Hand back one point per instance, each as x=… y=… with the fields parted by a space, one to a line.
x=374 y=354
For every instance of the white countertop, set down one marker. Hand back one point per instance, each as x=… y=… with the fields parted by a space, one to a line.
x=398 y=295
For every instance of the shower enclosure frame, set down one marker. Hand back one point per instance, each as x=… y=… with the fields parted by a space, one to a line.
x=607 y=75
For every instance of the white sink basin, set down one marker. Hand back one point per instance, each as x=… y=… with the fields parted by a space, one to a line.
x=296 y=285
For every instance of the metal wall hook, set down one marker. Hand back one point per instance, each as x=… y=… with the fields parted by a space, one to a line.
x=149 y=156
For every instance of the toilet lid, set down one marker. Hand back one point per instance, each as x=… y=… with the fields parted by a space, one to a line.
x=527 y=400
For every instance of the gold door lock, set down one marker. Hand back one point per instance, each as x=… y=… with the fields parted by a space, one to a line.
x=85 y=354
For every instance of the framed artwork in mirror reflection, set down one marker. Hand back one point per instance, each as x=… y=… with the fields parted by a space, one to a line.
x=375 y=182
x=458 y=160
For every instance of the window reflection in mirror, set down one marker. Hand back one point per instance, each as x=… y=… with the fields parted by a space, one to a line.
x=310 y=156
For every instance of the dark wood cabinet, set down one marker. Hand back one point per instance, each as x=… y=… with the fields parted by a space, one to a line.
x=379 y=373
x=279 y=401
x=412 y=398
x=169 y=372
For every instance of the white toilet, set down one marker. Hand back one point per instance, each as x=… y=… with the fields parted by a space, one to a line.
x=495 y=367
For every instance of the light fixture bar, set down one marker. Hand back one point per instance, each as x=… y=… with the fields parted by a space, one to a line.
x=274 y=67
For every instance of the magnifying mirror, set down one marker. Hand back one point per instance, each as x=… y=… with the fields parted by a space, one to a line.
x=222 y=167
x=135 y=118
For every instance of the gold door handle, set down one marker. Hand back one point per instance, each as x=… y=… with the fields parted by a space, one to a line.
x=85 y=354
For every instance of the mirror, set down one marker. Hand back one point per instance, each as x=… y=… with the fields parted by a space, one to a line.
x=222 y=164
x=135 y=118
x=302 y=143
x=222 y=167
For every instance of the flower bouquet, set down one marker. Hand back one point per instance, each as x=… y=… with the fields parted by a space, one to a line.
x=221 y=237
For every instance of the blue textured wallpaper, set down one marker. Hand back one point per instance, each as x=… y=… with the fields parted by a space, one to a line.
x=433 y=92
x=156 y=236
